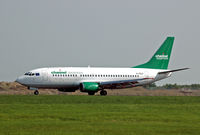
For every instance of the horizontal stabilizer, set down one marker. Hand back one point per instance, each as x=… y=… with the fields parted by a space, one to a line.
x=170 y=71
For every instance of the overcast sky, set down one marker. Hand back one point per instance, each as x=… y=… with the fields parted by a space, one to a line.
x=103 y=33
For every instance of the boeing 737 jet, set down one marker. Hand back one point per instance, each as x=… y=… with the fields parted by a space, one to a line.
x=93 y=79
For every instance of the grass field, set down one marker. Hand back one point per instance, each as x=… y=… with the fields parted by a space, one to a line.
x=91 y=115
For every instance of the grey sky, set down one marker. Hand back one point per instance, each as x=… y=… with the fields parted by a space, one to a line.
x=106 y=33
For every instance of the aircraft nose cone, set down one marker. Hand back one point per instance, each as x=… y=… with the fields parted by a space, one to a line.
x=19 y=80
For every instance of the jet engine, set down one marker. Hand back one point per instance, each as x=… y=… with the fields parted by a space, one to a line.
x=89 y=86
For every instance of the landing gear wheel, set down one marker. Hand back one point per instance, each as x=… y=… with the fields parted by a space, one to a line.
x=91 y=93
x=103 y=93
x=36 y=92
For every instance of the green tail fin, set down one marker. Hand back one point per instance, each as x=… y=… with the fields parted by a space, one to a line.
x=160 y=59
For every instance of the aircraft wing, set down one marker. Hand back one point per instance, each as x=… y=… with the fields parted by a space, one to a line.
x=122 y=83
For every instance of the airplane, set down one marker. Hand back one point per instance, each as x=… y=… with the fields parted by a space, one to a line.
x=94 y=79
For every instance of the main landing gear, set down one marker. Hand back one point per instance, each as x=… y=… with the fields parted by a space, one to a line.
x=103 y=93
x=36 y=92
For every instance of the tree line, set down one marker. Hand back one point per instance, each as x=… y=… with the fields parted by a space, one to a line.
x=173 y=86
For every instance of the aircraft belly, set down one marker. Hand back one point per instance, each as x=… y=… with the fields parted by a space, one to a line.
x=55 y=84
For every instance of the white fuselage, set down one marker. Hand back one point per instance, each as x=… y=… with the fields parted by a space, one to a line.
x=68 y=77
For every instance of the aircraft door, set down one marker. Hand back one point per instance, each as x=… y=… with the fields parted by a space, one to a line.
x=146 y=74
x=45 y=77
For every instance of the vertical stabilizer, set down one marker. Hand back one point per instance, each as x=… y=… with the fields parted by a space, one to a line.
x=160 y=59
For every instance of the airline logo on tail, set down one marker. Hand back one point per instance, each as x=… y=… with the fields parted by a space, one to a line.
x=162 y=57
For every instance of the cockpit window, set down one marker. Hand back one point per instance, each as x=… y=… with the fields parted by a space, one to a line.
x=26 y=74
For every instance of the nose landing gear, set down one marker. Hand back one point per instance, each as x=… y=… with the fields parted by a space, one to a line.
x=36 y=92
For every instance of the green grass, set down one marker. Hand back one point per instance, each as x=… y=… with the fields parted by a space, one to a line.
x=96 y=115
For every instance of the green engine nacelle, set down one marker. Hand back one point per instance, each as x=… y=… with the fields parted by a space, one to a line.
x=89 y=86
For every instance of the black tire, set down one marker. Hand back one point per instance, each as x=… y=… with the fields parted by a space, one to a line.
x=91 y=93
x=103 y=93
x=36 y=92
